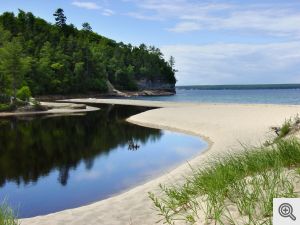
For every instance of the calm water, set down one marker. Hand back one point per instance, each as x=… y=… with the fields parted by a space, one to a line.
x=245 y=94
x=49 y=164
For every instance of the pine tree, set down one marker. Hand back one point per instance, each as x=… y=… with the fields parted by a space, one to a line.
x=60 y=17
x=86 y=27
x=172 y=64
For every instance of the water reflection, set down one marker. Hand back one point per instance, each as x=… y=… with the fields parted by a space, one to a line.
x=48 y=164
x=30 y=149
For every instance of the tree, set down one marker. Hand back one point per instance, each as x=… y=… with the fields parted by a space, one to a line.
x=41 y=83
x=172 y=64
x=143 y=47
x=64 y=60
x=4 y=79
x=4 y=36
x=9 y=22
x=86 y=27
x=60 y=17
x=4 y=83
x=13 y=64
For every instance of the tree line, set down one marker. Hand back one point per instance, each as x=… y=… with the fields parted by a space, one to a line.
x=58 y=58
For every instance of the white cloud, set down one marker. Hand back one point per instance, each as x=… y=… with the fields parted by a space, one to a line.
x=108 y=12
x=93 y=6
x=166 y=9
x=185 y=26
x=236 y=63
x=86 y=5
x=142 y=16
x=272 y=19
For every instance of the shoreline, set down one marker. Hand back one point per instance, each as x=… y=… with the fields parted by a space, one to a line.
x=222 y=126
x=121 y=95
x=57 y=109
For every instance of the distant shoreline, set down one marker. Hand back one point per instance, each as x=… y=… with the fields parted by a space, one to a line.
x=240 y=86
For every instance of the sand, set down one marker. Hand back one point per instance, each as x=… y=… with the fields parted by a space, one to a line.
x=223 y=126
x=57 y=109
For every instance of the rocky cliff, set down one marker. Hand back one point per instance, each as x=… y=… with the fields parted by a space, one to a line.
x=156 y=85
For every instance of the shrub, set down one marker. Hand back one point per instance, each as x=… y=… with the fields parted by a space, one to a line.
x=7 y=107
x=24 y=93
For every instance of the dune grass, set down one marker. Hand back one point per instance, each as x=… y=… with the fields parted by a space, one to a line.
x=245 y=182
x=7 y=216
x=286 y=128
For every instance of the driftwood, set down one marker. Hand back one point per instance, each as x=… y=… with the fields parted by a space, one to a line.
x=276 y=130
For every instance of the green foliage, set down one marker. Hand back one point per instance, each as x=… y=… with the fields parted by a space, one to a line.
x=98 y=85
x=247 y=181
x=4 y=35
x=285 y=128
x=24 y=93
x=13 y=66
x=60 y=59
x=7 y=216
x=6 y=107
x=5 y=104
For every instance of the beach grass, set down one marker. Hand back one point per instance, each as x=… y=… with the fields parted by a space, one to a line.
x=285 y=129
x=7 y=216
x=244 y=182
x=288 y=126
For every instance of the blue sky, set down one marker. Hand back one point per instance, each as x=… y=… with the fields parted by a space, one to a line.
x=213 y=42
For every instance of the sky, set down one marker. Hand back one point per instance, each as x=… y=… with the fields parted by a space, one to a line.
x=213 y=41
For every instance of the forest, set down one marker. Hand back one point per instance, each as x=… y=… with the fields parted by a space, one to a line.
x=40 y=58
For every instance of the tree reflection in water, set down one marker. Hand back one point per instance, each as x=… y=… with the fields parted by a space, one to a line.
x=30 y=149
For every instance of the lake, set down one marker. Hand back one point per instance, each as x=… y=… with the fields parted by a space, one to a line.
x=258 y=94
x=51 y=163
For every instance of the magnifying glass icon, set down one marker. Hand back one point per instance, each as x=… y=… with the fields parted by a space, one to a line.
x=286 y=210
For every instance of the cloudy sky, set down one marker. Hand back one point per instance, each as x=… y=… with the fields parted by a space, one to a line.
x=213 y=42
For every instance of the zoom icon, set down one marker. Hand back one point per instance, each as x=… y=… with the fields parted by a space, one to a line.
x=286 y=210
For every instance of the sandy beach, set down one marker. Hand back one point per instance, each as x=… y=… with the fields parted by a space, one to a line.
x=223 y=126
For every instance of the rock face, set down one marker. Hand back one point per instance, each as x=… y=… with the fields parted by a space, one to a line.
x=161 y=85
x=154 y=93
x=146 y=88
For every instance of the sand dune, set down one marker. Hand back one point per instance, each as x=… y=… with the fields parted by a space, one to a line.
x=224 y=126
